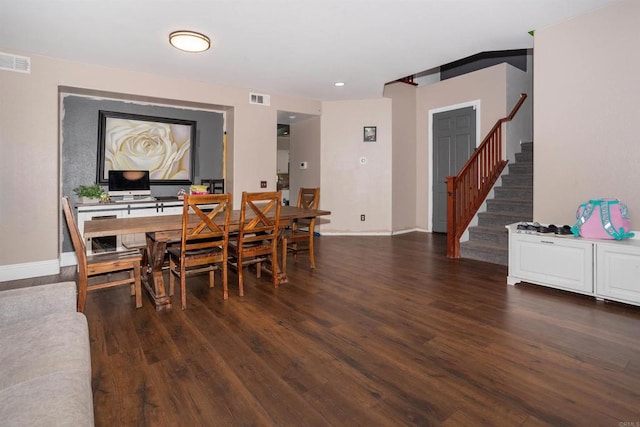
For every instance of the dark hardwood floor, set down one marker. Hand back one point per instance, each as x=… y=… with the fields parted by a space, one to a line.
x=386 y=332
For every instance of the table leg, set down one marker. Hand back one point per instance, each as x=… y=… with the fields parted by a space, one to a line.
x=153 y=280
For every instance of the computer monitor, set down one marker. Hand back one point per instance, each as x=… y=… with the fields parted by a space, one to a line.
x=129 y=183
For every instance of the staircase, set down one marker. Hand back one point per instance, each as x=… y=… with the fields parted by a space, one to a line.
x=512 y=202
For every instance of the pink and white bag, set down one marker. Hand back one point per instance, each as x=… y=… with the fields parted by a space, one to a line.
x=602 y=219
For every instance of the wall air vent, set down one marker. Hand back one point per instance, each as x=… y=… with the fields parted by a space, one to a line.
x=20 y=64
x=259 y=99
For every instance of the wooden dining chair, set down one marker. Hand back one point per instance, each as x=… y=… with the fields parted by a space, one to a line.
x=102 y=264
x=300 y=235
x=257 y=237
x=203 y=245
x=216 y=186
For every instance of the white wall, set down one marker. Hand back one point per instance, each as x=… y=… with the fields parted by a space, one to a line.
x=350 y=188
x=586 y=90
x=404 y=172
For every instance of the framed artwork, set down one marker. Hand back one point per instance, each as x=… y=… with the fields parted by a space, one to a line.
x=369 y=134
x=165 y=147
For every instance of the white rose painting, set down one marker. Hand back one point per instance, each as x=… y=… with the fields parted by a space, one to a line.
x=161 y=147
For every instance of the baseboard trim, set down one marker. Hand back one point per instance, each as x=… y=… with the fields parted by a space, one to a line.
x=29 y=269
x=411 y=230
x=372 y=233
x=355 y=233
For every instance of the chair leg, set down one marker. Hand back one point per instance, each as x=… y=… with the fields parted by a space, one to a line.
x=259 y=270
x=274 y=266
x=137 y=285
x=240 y=278
x=295 y=251
x=212 y=278
x=183 y=286
x=225 y=288
x=311 y=254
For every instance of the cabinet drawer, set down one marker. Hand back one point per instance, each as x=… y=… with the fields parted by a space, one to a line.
x=618 y=272
x=551 y=261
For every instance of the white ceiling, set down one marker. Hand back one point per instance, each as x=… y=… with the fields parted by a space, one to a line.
x=292 y=47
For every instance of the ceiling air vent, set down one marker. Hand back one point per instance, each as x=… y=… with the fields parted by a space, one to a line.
x=259 y=99
x=20 y=64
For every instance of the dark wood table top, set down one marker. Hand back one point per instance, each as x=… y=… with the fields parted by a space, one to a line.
x=172 y=223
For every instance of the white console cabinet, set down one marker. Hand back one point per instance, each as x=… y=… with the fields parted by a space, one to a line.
x=618 y=272
x=605 y=269
x=125 y=210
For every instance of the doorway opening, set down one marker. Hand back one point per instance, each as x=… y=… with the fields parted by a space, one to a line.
x=282 y=164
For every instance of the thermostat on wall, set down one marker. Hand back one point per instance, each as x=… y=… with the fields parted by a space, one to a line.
x=303 y=165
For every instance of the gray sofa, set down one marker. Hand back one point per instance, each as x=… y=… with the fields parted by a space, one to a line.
x=45 y=365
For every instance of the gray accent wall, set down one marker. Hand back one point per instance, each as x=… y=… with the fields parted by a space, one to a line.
x=79 y=136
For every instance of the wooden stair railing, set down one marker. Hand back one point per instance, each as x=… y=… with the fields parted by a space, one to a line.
x=467 y=190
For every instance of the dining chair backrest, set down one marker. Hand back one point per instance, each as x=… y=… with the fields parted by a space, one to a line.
x=209 y=231
x=309 y=198
x=216 y=186
x=259 y=217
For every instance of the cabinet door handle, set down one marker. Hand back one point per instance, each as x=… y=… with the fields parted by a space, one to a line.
x=547 y=241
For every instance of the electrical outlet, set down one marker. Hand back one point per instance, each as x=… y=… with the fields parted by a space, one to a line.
x=263 y=184
x=362 y=217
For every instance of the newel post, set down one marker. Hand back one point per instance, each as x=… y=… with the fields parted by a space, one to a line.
x=452 y=244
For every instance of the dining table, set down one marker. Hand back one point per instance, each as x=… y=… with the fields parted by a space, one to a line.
x=162 y=229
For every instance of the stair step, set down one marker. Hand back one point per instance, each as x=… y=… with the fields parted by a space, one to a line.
x=520 y=168
x=526 y=147
x=514 y=192
x=524 y=207
x=497 y=235
x=524 y=157
x=518 y=180
x=482 y=251
x=488 y=219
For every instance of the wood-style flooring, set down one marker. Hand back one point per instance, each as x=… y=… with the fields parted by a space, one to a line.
x=385 y=332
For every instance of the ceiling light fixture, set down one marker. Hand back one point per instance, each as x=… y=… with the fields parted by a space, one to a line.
x=189 y=41
x=338 y=84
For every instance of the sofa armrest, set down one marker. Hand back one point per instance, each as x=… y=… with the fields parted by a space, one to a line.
x=35 y=301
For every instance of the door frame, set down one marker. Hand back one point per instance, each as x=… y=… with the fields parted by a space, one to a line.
x=476 y=105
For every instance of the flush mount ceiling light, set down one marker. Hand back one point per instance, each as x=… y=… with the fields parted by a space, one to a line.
x=189 y=41
x=338 y=84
